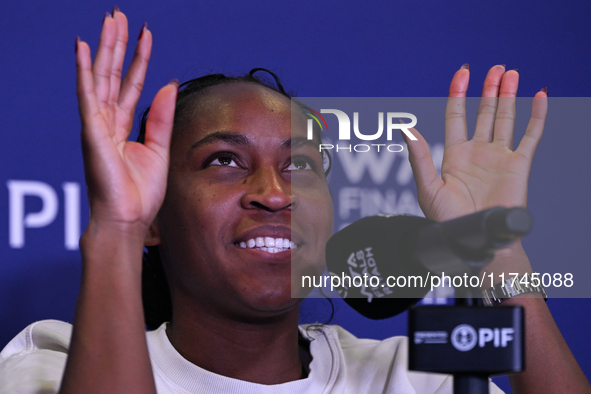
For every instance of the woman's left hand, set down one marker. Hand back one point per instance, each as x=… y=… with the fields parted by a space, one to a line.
x=484 y=171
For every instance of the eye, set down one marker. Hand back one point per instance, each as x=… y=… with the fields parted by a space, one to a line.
x=224 y=159
x=298 y=164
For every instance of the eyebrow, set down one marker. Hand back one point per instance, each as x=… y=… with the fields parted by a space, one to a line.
x=223 y=136
x=297 y=142
x=242 y=140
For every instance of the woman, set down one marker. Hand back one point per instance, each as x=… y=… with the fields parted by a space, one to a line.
x=230 y=174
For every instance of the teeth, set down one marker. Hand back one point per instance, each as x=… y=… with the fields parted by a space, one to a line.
x=268 y=244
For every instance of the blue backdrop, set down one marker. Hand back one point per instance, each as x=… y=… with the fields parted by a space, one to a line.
x=330 y=48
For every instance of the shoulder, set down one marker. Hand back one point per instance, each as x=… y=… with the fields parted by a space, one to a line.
x=35 y=359
x=371 y=365
x=359 y=350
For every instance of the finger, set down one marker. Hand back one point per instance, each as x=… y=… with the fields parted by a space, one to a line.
x=90 y=115
x=87 y=103
x=505 y=117
x=160 y=120
x=535 y=128
x=485 y=120
x=104 y=60
x=118 y=55
x=133 y=82
x=422 y=164
x=456 y=130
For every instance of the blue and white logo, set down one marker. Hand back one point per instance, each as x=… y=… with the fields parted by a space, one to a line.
x=464 y=337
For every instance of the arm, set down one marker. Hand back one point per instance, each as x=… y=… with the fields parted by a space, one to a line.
x=484 y=172
x=126 y=185
x=550 y=365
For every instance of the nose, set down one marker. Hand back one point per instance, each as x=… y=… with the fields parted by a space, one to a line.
x=267 y=189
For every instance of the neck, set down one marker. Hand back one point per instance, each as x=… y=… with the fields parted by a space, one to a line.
x=258 y=350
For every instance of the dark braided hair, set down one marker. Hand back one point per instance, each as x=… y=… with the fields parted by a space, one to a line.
x=155 y=291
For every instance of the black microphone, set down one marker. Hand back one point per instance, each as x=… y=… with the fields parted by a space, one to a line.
x=364 y=257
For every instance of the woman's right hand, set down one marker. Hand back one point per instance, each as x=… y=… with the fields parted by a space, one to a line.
x=126 y=185
x=126 y=180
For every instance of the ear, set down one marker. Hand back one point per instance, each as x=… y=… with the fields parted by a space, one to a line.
x=153 y=235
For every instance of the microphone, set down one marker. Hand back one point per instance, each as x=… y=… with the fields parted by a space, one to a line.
x=365 y=258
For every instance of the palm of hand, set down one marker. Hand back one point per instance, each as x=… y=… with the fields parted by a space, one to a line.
x=476 y=175
x=136 y=184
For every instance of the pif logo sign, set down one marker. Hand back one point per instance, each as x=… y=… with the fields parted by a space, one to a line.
x=465 y=337
x=391 y=120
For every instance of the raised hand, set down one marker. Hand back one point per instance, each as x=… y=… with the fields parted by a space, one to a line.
x=484 y=171
x=126 y=180
x=126 y=185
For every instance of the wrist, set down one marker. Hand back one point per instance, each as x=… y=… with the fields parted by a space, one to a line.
x=507 y=261
x=107 y=245
x=100 y=230
x=512 y=255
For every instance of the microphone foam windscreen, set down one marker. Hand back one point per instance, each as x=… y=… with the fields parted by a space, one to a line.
x=368 y=256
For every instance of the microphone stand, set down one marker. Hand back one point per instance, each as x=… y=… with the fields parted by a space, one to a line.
x=469 y=383
x=468 y=340
x=471 y=341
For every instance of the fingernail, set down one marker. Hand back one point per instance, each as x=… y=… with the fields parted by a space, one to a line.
x=174 y=81
x=144 y=27
x=516 y=70
x=107 y=15
x=404 y=137
x=76 y=47
x=545 y=90
x=116 y=9
x=503 y=65
x=465 y=66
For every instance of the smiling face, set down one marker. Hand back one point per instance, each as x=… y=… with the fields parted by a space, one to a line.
x=239 y=181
